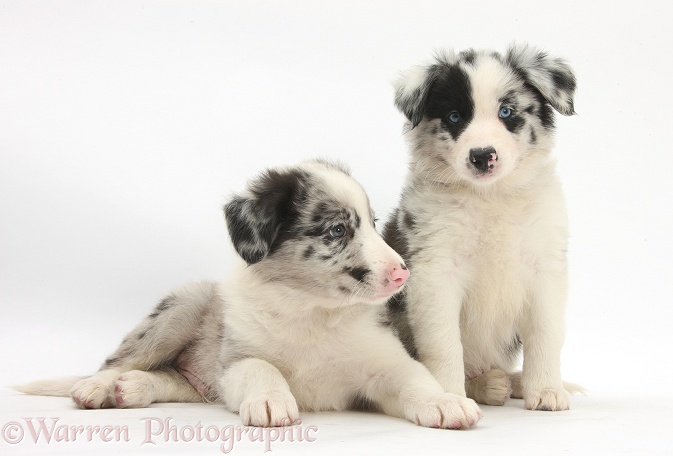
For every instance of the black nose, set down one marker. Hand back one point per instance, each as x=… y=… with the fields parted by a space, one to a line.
x=483 y=158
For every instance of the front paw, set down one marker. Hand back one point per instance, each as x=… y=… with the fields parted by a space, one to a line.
x=445 y=411
x=273 y=409
x=548 y=399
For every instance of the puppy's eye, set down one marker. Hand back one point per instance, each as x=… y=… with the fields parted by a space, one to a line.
x=505 y=112
x=337 y=231
x=453 y=117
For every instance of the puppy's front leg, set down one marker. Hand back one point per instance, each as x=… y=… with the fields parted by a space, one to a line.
x=405 y=388
x=542 y=334
x=259 y=392
x=434 y=304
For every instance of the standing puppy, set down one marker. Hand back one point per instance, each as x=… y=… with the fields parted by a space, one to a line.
x=482 y=224
x=297 y=327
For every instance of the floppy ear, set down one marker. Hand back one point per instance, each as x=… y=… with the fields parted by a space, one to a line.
x=255 y=218
x=412 y=90
x=552 y=77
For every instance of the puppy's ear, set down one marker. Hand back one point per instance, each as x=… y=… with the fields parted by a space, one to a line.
x=412 y=91
x=255 y=218
x=552 y=77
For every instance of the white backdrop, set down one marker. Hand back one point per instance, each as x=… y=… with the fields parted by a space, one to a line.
x=125 y=125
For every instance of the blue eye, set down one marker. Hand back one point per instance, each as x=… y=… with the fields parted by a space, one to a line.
x=337 y=231
x=505 y=112
x=453 y=117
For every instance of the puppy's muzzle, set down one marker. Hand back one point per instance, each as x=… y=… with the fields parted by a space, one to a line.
x=483 y=158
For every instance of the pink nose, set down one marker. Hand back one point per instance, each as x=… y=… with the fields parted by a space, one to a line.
x=398 y=275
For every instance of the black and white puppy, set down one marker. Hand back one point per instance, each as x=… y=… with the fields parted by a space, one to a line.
x=297 y=327
x=482 y=223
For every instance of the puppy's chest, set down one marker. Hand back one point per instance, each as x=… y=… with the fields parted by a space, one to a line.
x=499 y=243
x=310 y=356
x=502 y=244
x=493 y=255
x=316 y=373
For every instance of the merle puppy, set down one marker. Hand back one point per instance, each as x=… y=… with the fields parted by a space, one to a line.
x=297 y=327
x=482 y=224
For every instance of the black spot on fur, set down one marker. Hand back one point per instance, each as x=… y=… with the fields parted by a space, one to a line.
x=545 y=112
x=332 y=215
x=451 y=93
x=261 y=223
x=361 y=403
x=314 y=231
x=397 y=307
x=141 y=335
x=308 y=253
x=563 y=80
x=319 y=213
x=396 y=238
x=111 y=361
x=469 y=56
x=533 y=137
x=409 y=220
x=399 y=321
x=514 y=123
x=358 y=274
x=165 y=304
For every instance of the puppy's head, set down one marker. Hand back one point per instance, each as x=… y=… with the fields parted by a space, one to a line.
x=477 y=116
x=310 y=227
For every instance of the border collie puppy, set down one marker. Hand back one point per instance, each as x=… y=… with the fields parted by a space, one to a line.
x=482 y=224
x=297 y=327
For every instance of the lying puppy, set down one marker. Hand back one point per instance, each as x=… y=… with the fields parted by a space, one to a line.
x=482 y=224
x=296 y=328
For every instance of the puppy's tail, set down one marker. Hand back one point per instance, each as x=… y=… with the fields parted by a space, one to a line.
x=59 y=387
x=574 y=388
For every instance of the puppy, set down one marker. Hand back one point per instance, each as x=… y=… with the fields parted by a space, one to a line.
x=482 y=224
x=297 y=327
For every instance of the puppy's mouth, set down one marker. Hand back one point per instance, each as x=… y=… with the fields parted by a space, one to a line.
x=373 y=294
x=394 y=281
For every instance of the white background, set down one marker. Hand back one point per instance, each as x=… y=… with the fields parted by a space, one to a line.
x=124 y=126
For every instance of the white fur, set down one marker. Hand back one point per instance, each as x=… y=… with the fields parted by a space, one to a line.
x=278 y=336
x=488 y=249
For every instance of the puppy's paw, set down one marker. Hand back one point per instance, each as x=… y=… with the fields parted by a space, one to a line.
x=277 y=408
x=548 y=399
x=492 y=388
x=134 y=389
x=445 y=411
x=93 y=393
